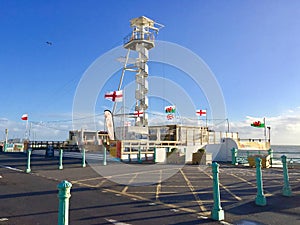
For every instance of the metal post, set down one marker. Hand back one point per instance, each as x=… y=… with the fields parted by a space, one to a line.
x=104 y=156
x=60 y=159
x=217 y=212
x=83 y=158
x=64 y=195
x=270 y=153
x=286 y=190
x=6 y=140
x=233 y=156
x=154 y=155
x=139 y=156
x=260 y=197
x=28 y=170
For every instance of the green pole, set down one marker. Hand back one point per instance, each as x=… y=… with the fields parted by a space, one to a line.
x=60 y=159
x=4 y=146
x=260 y=197
x=217 y=212
x=286 y=190
x=83 y=158
x=139 y=156
x=154 y=155
x=28 y=170
x=64 y=195
x=233 y=156
x=104 y=156
x=129 y=159
x=270 y=153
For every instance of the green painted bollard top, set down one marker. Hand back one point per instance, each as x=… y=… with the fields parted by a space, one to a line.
x=215 y=167
x=283 y=159
x=64 y=185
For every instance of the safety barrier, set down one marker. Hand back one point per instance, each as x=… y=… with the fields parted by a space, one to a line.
x=240 y=156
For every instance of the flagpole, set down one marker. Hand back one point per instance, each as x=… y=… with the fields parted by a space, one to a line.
x=124 y=114
x=265 y=131
x=206 y=117
x=26 y=130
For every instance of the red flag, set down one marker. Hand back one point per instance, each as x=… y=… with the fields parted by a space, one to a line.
x=24 y=117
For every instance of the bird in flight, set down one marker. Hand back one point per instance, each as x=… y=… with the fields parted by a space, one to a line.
x=48 y=43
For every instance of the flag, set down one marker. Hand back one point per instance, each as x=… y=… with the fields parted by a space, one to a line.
x=201 y=112
x=138 y=113
x=115 y=96
x=258 y=124
x=170 y=109
x=127 y=124
x=109 y=124
x=170 y=116
x=24 y=117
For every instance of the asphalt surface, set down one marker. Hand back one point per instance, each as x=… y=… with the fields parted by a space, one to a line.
x=181 y=195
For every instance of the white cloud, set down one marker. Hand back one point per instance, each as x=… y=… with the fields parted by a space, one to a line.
x=285 y=128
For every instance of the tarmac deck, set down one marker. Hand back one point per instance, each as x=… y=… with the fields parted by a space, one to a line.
x=179 y=195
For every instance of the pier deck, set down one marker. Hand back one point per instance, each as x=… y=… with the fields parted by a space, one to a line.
x=183 y=198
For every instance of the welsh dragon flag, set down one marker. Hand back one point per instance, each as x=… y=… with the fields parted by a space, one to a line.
x=170 y=109
x=258 y=124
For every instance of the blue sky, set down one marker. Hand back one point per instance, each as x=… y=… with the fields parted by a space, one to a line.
x=252 y=47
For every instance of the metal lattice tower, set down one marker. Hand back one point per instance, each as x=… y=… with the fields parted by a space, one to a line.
x=141 y=40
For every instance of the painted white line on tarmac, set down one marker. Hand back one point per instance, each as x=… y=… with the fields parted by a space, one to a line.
x=3 y=219
x=11 y=168
x=115 y=222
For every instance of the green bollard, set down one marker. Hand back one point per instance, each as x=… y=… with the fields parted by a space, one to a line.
x=286 y=190
x=83 y=158
x=260 y=197
x=217 y=212
x=28 y=170
x=60 y=159
x=64 y=195
x=5 y=147
x=129 y=158
x=104 y=156
x=139 y=156
x=270 y=153
x=233 y=156
x=154 y=155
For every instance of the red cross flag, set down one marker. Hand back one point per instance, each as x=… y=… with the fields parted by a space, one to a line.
x=138 y=113
x=201 y=112
x=115 y=96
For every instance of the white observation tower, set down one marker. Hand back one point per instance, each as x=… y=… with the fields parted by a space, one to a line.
x=141 y=40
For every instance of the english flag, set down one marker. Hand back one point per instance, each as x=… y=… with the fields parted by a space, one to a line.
x=138 y=113
x=115 y=96
x=24 y=117
x=201 y=112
